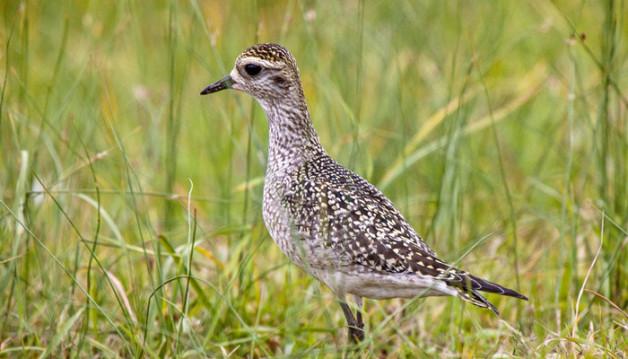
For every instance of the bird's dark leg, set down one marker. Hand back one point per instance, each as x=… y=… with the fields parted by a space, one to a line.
x=356 y=332
x=358 y=314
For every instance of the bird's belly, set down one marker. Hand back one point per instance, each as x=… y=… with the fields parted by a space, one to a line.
x=383 y=286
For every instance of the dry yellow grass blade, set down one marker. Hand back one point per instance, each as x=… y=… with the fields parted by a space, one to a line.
x=431 y=123
x=437 y=118
x=209 y=255
x=248 y=185
x=119 y=288
x=412 y=153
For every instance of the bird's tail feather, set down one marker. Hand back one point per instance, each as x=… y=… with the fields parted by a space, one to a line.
x=486 y=286
x=470 y=291
x=475 y=298
x=469 y=286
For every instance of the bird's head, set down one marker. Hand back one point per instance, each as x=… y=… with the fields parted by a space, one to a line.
x=267 y=72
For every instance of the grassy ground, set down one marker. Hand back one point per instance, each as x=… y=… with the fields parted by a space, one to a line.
x=498 y=128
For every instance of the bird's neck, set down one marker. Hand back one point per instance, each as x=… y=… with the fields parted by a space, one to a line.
x=292 y=138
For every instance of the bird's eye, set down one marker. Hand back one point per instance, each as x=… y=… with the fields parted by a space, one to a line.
x=252 y=69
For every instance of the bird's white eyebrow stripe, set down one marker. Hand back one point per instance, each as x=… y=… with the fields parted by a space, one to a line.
x=257 y=60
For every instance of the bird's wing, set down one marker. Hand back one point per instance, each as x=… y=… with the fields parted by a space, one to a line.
x=343 y=212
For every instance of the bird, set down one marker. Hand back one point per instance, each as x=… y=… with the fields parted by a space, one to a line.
x=327 y=219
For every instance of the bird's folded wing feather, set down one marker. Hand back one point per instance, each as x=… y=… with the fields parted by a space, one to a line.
x=336 y=207
x=331 y=205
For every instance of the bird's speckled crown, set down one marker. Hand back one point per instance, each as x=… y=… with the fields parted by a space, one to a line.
x=270 y=52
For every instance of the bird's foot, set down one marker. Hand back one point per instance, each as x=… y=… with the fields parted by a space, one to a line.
x=356 y=334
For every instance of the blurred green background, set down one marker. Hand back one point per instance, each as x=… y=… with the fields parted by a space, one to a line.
x=497 y=128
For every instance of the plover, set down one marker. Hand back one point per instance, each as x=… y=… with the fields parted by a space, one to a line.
x=328 y=220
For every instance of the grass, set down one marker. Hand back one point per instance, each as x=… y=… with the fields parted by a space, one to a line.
x=130 y=219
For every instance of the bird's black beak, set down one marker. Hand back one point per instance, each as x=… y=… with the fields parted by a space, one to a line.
x=218 y=86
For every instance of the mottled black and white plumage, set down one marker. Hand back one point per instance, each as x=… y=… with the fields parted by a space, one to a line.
x=328 y=220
